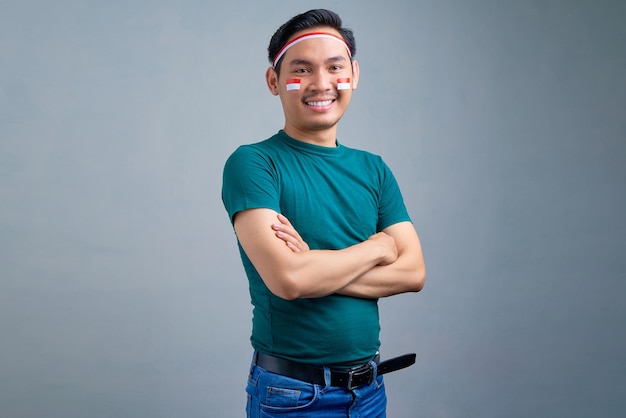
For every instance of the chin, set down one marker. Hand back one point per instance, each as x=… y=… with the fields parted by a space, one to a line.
x=322 y=124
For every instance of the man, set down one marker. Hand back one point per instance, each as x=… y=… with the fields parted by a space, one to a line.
x=323 y=233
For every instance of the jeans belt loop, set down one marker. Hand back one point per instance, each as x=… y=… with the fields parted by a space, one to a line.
x=327 y=379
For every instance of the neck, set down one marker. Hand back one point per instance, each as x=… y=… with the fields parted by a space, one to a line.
x=322 y=137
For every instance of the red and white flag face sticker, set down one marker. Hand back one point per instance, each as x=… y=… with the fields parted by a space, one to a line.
x=343 y=84
x=293 y=84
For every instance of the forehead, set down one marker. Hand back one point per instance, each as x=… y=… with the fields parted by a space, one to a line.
x=316 y=46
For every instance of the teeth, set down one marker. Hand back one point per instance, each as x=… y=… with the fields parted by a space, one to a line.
x=319 y=104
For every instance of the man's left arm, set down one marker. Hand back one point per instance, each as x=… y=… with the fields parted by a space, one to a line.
x=406 y=274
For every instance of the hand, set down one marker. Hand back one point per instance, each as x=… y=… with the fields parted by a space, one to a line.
x=388 y=246
x=286 y=232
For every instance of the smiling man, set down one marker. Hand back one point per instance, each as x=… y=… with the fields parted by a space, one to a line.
x=323 y=232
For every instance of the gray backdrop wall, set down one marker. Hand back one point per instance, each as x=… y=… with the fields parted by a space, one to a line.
x=121 y=291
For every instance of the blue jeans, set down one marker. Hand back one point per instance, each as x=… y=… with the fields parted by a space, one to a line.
x=274 y=395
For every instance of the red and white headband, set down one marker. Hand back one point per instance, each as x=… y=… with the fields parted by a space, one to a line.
x=306 y=36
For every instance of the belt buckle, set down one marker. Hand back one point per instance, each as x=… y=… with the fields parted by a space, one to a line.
x=360 y=371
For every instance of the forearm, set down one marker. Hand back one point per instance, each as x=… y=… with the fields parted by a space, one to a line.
x=318 y=273
x=407 y=274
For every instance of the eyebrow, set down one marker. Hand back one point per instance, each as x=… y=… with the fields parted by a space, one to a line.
x=301 y=61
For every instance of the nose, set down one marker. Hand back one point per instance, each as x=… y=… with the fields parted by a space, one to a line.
x=322 y=81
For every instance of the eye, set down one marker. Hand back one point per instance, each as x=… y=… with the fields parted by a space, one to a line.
x=336 y=68
x=301 y=70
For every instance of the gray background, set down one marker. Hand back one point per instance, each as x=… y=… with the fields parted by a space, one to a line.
x=121 y=291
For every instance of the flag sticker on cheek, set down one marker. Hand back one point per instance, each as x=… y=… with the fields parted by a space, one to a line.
x=343 y=84
x=293 y=84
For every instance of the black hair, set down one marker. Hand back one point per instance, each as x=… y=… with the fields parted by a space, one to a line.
x=311 y=19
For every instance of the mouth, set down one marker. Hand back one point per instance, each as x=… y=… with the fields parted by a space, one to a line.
x=320 y=103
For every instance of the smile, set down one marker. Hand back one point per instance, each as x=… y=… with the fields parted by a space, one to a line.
x=320 y=103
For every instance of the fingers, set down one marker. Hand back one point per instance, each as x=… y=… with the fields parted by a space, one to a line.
x=286 y=228
x=286 y=232
x=293 y=247
x=389 y=247
x=292 y=240
x=283 y=219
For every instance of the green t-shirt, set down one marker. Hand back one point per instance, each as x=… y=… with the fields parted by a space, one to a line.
x=334 y=197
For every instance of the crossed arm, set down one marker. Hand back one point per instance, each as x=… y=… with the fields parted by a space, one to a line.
x=385 y=264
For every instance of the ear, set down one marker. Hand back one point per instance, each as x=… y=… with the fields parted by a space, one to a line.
x=355 y=74
x=271 y=78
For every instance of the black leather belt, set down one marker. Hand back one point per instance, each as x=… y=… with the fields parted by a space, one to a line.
x=349 y=379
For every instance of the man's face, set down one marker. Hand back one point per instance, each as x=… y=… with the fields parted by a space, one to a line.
x=318 y=63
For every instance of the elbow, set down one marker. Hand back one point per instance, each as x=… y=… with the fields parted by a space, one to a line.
x=285 y=287
x=286 y=280
x=287 y=293
x=419 y=279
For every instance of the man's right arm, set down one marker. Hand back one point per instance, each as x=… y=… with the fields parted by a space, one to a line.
x=307 y=274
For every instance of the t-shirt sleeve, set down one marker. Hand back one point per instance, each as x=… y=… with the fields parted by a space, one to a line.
x=249 y=182
x=391 y=208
